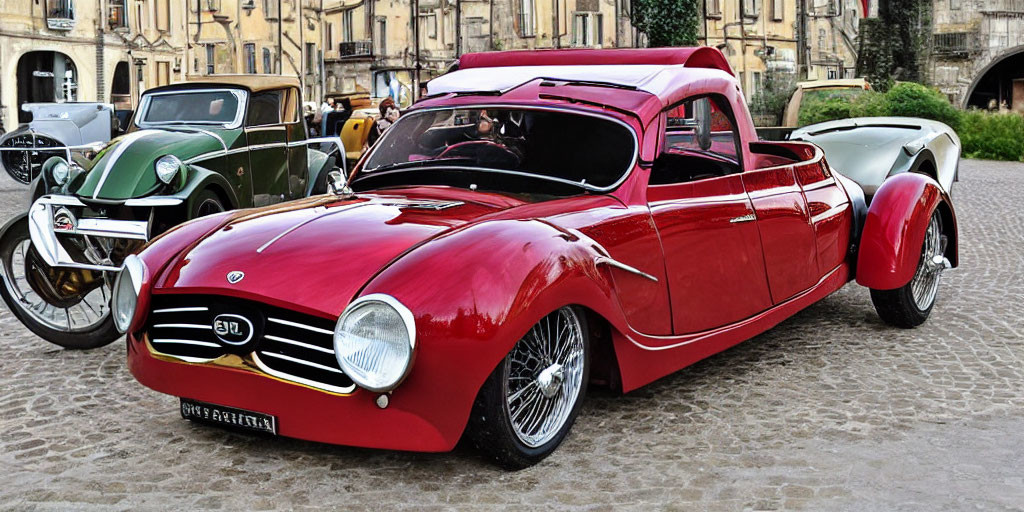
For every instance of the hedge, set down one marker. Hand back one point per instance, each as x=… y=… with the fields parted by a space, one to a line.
x=998 y=136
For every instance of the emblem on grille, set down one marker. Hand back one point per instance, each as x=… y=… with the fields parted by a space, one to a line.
x=235 y=276
x=232 y=329
x=63 y=220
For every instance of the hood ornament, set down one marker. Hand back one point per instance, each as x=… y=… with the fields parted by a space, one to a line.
x=235 y=276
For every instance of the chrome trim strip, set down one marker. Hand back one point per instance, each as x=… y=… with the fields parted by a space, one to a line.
x=299 y=380
x=298 y=344
x=568 y=110
x=182 y=326
x=750 y=217
x=187 y=342
x=154 y=201
x=111 y=228
x=302 y=362
x=300 y=326
x=180 y=310
x=280 y=235
x=121 y=147
x=622 y=266
x=696 y=337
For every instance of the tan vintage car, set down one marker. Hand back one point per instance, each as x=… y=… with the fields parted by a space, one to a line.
x=805 y=90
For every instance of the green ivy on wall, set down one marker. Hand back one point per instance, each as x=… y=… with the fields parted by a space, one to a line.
x=893 y=45
x=667 y=22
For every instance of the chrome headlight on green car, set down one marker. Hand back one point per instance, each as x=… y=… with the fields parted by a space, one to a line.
x=168 y=168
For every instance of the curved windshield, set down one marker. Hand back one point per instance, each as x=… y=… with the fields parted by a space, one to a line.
x=219 y=107
x=502 y=148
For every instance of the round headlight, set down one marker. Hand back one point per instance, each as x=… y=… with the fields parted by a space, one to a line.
x=374 y=342
x=126 y=292
x=167 y=168
x=60 y=172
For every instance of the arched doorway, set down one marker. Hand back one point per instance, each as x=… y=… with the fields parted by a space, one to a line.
x=1000 y=83
x=45 y=77
x=121 y=87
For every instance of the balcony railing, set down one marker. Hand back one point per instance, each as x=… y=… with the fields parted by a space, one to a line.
x=952 y=44
x=355 y=49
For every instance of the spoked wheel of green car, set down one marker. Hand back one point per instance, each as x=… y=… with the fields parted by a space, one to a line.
x=68 y=307
x=528 y=404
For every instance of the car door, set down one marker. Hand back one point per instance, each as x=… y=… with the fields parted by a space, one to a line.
x=787 y=233
x=268 y=147
x=712 y=248
x=291 y=115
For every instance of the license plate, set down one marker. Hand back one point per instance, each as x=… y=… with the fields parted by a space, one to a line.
x=228 y=416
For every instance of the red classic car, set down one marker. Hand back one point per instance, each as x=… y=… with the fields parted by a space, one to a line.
x=541 y=221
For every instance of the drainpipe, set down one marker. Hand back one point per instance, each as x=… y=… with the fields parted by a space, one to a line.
x=280 y=37
x=416 y=42
x=490 y=25
x=458 y=28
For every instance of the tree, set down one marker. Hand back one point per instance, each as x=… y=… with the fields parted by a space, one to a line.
x=892 y=44
x=667 y=22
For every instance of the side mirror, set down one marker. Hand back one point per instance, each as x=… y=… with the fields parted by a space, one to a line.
x=337 y=185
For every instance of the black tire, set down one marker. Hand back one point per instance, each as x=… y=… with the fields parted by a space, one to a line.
x=899 y=307
x=206 y=203
x=100 y=335
x=491 y=429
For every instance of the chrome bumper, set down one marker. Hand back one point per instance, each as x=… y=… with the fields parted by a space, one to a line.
x=45 y=235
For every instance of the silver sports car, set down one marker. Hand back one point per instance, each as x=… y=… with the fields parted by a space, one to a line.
x=870 y=149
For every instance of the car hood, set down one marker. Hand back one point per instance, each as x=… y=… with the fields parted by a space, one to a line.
x=315 y=254
x=124 y=168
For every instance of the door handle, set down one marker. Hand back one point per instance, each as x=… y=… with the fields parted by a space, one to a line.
x=744 y=218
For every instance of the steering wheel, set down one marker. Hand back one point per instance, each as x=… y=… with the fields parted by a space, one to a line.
x=484 y=152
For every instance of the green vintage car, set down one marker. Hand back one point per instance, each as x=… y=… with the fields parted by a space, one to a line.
x=192 y=149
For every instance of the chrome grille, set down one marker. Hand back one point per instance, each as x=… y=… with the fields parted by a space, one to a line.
x=287 y=345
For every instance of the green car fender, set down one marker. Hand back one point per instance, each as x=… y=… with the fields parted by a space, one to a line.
x=201 y=178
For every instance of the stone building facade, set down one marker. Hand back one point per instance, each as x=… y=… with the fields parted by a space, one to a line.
x=112 y=50
x=370 y=45
x=977 y=52
x=757 y=37
x=68 y=50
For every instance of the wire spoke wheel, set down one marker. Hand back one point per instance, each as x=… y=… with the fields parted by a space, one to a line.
x=909 y=305
x=543 y=376
x=66 y=306
x=76 y=314
x=925 y=282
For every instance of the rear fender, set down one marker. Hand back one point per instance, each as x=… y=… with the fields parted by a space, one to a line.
x=890 y=245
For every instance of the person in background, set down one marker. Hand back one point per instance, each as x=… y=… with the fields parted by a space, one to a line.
x=321 y=117
x=389 y=113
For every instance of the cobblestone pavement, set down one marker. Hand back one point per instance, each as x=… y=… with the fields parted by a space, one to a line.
x=831 y=410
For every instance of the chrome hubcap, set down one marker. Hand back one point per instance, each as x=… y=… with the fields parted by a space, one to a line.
x=83 y=315
x=544 y=376
x=925 y=283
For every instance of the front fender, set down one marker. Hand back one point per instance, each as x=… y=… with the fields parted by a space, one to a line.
x=474 y=293
x=202 y=178
x=890 y=245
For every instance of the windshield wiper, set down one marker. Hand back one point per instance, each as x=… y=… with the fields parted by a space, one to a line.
x=418 y=163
